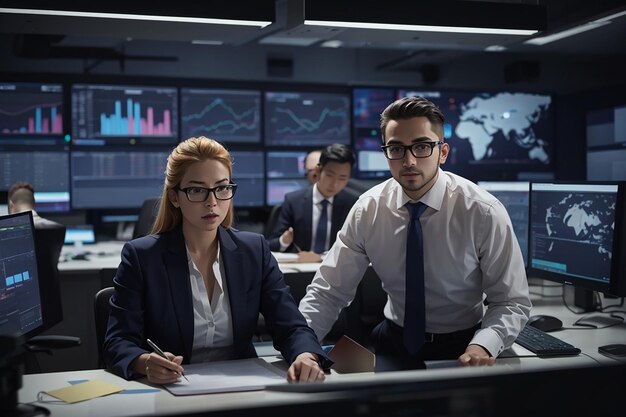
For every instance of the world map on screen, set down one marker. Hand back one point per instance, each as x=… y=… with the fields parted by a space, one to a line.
x=583 y=218
x=513 y=116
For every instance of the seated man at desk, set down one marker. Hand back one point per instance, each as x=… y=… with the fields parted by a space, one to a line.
x=310 y=218
x=438 y=243
x=195 y=286
x=21 y=198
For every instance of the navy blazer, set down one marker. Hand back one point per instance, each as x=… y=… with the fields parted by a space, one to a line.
x=297 y=212
x=153 y=300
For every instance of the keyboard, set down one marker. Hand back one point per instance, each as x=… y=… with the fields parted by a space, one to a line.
x=544 y=344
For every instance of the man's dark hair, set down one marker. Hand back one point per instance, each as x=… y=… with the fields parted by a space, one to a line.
x=22 y=192
x=410 y=107
x=337 y=153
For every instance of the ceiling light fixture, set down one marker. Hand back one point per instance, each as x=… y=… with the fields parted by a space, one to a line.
x=594 y=24
x=125 y=16
x=421 y=28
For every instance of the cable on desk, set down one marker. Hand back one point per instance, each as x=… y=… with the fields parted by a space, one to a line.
x=591 y=357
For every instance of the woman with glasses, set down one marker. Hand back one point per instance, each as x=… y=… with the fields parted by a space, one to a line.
x=195 y=286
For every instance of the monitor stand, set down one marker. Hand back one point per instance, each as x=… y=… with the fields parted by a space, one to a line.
x=585 y=299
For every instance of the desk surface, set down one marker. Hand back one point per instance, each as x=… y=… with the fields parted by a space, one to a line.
x=106 y=255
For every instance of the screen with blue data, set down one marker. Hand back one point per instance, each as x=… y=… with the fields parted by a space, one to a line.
x=286 y=164
x=495 y=136
x=514 y=197
x=278 y=187
x=367 y=105
x=20 y=299
x=306 y=119
x=249 y=175
x=577 y=234
x=116 y=178
x=124 y=115
x=228 y=116
x=606 y=144
x=31 y=111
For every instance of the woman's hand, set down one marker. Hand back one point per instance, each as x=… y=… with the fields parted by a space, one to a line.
x=305 y=368
x=159 y=370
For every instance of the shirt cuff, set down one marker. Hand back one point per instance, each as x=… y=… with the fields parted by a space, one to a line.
x=283 y=246
x=488 y=339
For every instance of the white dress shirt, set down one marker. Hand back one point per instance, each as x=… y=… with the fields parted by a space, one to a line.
x=470 y=249
x=316 y=213
x=212 y=323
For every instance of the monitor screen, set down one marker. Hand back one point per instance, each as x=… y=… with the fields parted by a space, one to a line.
x=47 y=171
x=79 y=234
x=286 y=164
x=249 y=175
x=495 y=135
x=20 y=299
x=606 y=144
x=228 y=116
x=31 y=110
x=306 y=119
x=576 y=234
x=116 y=178
x=278 y=187
x=514 y=197
x=124 y=115
x=367 y=105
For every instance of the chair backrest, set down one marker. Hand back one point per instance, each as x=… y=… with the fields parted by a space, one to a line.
x=101 y=313
x=272 y=219
x=147 y=216
x=48 y=245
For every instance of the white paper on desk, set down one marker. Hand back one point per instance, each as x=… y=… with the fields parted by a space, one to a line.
x=284 y=257
x=228 y=376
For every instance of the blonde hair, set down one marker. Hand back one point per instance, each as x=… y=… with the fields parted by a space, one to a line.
x=197 y=149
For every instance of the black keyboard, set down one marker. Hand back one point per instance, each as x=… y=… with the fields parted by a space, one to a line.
x=544 y=344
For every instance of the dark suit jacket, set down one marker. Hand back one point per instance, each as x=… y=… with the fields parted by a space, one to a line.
x=153 y=300
x=297 y=212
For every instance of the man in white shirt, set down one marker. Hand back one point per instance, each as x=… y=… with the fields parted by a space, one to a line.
x=469 y=250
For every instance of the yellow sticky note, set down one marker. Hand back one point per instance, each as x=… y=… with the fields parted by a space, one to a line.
x=85 y=391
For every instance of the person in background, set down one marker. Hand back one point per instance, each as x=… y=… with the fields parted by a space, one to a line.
x=196 y=286
x=434 y=306
x=310 y=163
x=310 y=218
x=21 y=198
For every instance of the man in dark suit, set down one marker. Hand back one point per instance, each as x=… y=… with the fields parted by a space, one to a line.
x=22 y=198
x=299 y=227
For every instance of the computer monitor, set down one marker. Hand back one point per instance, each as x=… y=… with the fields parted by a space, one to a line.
x=116 y=178
x=495 y=135
x=278 y=187
x=249 y=175
x=577 y=236
x=514 y=196
x=31 y=109
x=367 y=105
x=79 y=234
x=228 y=116
x=606 y=144
x=20 y=297
x=124 y=115
x=306 y=119
x=286 y=164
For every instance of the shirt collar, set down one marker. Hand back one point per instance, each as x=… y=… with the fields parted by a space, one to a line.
x=318 y=197
x=433 y=197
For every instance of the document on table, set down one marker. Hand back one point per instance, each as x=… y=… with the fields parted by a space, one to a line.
x=228 y=376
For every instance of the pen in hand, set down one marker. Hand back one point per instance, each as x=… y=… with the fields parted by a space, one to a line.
x=162 y=354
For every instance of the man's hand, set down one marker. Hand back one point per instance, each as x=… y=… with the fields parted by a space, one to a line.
x=308 y=257
x=476 y=355
x=305 y=369
x=287 y=237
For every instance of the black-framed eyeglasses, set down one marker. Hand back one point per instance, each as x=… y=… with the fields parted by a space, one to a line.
x=200 y=194
x=418 y=150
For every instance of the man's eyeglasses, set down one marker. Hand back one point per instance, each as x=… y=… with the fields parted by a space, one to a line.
x=200 y=194
x=418 y=150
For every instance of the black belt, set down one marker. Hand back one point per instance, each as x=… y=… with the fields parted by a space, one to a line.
x=440 y=337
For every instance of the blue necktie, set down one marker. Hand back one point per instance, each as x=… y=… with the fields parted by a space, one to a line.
x=320 y=236
x=414 y=312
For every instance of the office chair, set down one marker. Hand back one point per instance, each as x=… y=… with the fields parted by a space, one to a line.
x=48 y=244
x=147 y=216
x=101 y=313
x=272 y=219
